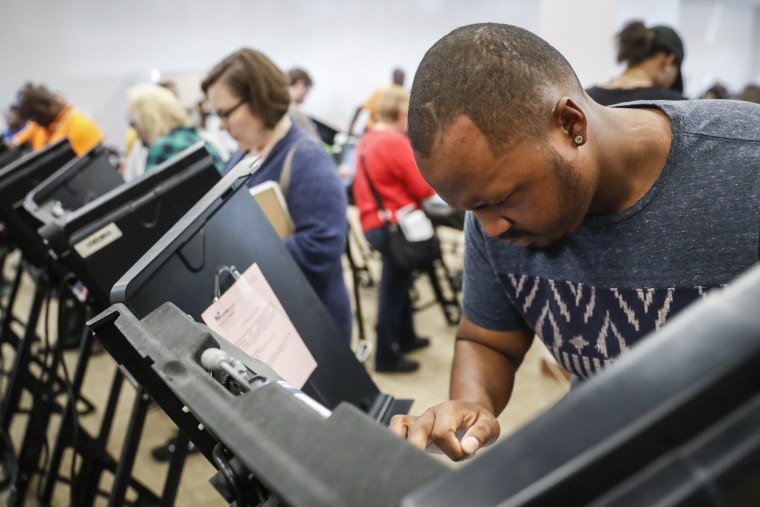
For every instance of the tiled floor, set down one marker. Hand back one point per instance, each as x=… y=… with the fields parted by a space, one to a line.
x=534 y=391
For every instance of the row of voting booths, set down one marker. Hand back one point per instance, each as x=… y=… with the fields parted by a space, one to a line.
x=136 y=265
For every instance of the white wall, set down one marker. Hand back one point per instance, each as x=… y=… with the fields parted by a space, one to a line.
x=92 y=50
x=583 y=32
x=722 y=44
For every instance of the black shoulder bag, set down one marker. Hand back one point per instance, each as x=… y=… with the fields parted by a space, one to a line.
x=408 y=255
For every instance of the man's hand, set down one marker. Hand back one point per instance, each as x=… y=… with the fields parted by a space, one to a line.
x=482 y=376
x=441 y=424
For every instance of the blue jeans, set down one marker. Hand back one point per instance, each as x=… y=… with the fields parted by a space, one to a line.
x=394 y=327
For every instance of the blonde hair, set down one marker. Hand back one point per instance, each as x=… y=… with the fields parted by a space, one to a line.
x=155 y=111
x=392 y=102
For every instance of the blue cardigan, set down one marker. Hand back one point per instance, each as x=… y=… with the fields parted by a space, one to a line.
x=317 y=203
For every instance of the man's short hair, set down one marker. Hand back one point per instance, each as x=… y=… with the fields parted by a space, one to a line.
x=497 y=75
x=398 y=76
x=298 y=74
x=254 y=78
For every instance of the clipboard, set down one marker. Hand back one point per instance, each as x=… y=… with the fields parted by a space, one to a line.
x=270 y=199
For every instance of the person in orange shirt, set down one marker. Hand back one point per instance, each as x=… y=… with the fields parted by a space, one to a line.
x=51 y=118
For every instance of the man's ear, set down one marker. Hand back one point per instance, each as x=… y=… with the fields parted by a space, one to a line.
x=571 y=118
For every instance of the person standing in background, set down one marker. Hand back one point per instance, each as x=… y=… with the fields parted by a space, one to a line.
x=370 y=104
x=15 y=123
x=51 y=118
x=750 y=93
x=385 y=162
x=653 y=58
x=299 y=88
x=716 y=91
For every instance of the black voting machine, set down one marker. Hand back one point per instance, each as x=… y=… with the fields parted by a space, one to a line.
x=280 y=445
x=77 y=183
x=99 y=242
x=94 y=244
x=673 y=423
x=140 y=212
x=228 y=229
x=52 y=168
x=144 y=209
x=182 y=268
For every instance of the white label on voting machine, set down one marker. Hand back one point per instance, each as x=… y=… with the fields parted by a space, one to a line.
x=97 y=240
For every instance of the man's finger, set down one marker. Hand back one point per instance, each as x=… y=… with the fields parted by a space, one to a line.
x=481 y=433
x=417 y=433
x=446 y=433
x=400 y=424
x=470 y=444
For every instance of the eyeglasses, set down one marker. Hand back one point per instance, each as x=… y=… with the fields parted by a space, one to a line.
x=224 y=114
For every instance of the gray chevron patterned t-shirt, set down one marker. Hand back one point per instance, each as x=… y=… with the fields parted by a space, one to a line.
x=621 y=276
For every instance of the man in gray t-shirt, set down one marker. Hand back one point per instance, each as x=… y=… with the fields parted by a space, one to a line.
x=590 y=226
x=621 y=275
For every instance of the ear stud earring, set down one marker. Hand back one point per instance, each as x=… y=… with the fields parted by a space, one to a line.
x=578 y=140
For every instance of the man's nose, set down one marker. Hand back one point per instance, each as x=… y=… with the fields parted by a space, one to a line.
x=493 y=223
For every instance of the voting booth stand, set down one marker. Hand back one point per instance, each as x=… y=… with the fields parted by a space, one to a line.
x=88 y=236
x=16 y=180
x=269 y=440
x=98 y=243
x=49 y=201
x=674 y=423
x=195 y=262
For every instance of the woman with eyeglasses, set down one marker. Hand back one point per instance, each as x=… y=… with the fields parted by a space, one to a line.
x=249 y=94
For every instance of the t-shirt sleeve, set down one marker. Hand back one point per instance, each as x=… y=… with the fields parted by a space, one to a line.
x=484 y=300
x=25 y=134
x=83 y=135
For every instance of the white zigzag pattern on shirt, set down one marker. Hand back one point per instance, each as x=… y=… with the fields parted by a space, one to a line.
x=647 y=300
x=601 y=342
x=546 y=312
x=590 y=306
x=629 y=313
x=560 y=303
x=576 y=290
x=662 y=314
x=517 y=285
x=572 y=302
x=532 y=295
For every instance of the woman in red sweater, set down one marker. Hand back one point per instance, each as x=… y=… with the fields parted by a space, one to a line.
x=384 y=154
